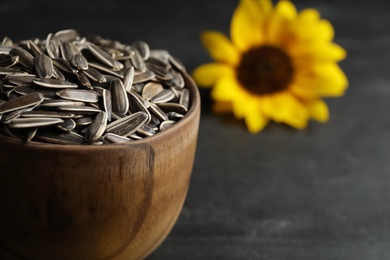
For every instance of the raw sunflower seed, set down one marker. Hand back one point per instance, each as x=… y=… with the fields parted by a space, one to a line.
x=8 y=71
x=68 y=125
x=31 y=134
x=44 y=66
x=34 y=122
x=53 y=46
x=128 y=78
x=25 y=90
x=67 y=35
x=163 y=96
x=185 y=98
x=127 y=125
x=54 y=83
x=101 y=55
x=34 y=48
x=151 y=89
x=137 y=61
x=25 y=58
x=105 y=69
x=68 y=50
x=57 y=74
x=9 y=61
x=21 y=102
x=64 y=65
x=79 y=95
x=7 y=42
x=84 y=121
x=173 y=107
x=46 y=114
x=85 y=110
x=82 y=77
x=56 y=137
x=80 y=62
x=158 y=112
x=111 y=138
x=61 y=103
x=120 y=102
x=20 y=79
x=95 y=75
x=107 y=104
x=142 y=48
x=143 y=77
x=97 y=127
x=166 y=124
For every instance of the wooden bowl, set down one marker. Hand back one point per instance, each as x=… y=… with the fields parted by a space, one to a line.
x=95 y=202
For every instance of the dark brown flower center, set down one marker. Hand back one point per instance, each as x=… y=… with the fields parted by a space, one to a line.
x=265 y=69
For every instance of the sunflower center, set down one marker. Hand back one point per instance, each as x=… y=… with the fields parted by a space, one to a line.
x=265 y=69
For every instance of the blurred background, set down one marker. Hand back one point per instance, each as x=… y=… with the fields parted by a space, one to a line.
x=322 y=193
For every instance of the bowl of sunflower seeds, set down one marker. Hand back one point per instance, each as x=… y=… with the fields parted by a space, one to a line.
x=97 y=144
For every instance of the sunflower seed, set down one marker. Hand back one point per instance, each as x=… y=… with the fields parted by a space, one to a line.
x=34 y=48
x=25 y=90
x=146 y=130
x=176 y=63
x=97 y=127
x=137 y=61
x=7 y=71
x=166 y=124
x=83 y=79
x=143 y=77
x=61 y=103
x=158 y=112
x=127 y=125
x=128 y=78
x=8 y=60
x=53 y=46
x=84 y=121
x=95 y=75
x=79 y=95
x=80 y=62
x=67 y=35
x=7 y=117
x=107 y=104
x=137 y=104
x=68 y=50
x=101 y=55
x=7 y=42
x=175 y=116
x=57 y=74
x=25 y=58
x=142 y=48
x=185 y=98
x=56 y=137
x=34 y=122
x=111 y=138
x=20 y=79
x=54 y=83
x=105 y=69
x=85 y=110
x=151 y=89
x=68 y=125
x=44 y=66
x=31 y=134
x=120 y=102
x=163 y=96
x=172 y=107
x=64 y=65
x=5 y=49
x=46 y=114
x=21 y=102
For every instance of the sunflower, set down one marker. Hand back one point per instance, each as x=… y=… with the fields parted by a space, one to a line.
x=277 y=66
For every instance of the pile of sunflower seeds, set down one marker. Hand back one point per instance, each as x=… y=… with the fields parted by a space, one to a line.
x=68 y=89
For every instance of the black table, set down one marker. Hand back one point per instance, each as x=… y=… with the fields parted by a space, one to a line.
x=322 y=193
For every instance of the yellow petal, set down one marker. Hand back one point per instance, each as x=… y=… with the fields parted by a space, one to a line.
x=245 y=28
x=254 y=118
x=284 y=107
x=207 y=74
x=220 y=48
x=318 y=52
x=283 y=14
x=318 y=110
x=226 y=89
x=321 y=80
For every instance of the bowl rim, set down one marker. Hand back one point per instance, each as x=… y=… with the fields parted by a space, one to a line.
x=191 y=115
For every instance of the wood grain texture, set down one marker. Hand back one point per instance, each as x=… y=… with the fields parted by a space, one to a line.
x=84 y=202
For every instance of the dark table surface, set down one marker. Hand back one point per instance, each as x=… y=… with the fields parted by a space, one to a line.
x=322 y=193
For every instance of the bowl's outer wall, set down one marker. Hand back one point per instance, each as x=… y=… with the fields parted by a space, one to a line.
x=108 y=202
